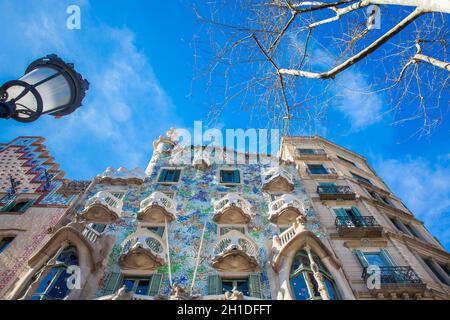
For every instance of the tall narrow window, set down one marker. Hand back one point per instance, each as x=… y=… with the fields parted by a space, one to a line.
x=347 y=161
x=54 y=285
x=303 y=283
x=433 y=267
x=5 y=243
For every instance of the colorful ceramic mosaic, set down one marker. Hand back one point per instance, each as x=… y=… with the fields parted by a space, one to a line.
x=195 y=194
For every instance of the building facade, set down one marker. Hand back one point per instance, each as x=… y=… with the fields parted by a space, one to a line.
x=213 y=223
x=34 y=198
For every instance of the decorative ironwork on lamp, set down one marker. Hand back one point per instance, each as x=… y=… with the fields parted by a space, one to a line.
x=49 y=86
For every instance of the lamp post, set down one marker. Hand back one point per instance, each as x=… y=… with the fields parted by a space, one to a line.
x=49 y=86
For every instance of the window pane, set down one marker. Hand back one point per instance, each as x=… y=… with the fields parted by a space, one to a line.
x=330 y=289
x=243 y=287
x=143 y=287
x=227 y=285
x=129 y=284
x=317 y=169
x=376 y=259
x=59 y=289
x=45 y=282
x=299 y=287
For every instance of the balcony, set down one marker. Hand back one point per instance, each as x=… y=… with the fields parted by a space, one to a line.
x=283 y=241
x=277 y=180
x=157 y=208
x=232 y=209
x=360 y=227
x=144 y=252
x=235 y=252
x=286 y=210
x=336 y=193
x=103 y=208
x=396 y=282
x=312 y=154
x=122 y=176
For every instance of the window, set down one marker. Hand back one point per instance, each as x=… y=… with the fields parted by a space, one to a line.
x=250 y=286
x=230 y=176
x=240 y=284
x=159 y=230
x=225 y=229
x=307 y=152
x=317 y=169
x=398 y=225
x=54 y=285
x=347 y=161
x=5 y=243
x=381 y=259
x=303 y=282
x=414 y=232
x=140 y=286
x=433 y=267
x=350 y=217
x=170 y=175
x=19 y=206
x=361 y=179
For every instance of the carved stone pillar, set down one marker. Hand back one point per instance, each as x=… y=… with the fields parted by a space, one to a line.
x=318 y=276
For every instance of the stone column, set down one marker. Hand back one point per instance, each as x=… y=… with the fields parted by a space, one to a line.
x=318 y=276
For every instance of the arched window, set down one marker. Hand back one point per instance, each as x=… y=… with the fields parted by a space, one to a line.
x=54 y=285
x=304 y=285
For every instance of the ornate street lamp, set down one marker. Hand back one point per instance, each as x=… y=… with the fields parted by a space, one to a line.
x=49 y=86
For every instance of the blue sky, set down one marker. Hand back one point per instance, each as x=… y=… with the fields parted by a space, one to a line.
x=139 y=60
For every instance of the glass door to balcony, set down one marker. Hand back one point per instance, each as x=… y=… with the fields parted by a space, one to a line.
x=350 y=217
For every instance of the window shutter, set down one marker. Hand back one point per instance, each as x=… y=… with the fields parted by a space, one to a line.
x=237 y=177
x=27 y=206
x=155 y=284
x=177 y=176
x=163 y=175
x=356 y=211
x=8 y=207
x=214 y=285
x=340 y=213
x=254 y=281
x=113 y=283
x=387 y=257
x=361 y=258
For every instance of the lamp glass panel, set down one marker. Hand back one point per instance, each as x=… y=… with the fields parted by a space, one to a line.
x=55 y=92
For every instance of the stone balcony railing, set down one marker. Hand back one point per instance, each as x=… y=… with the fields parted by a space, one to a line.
x=143 y=252
x=236 y=252
x=282 y=241
x=277 y=179
x=158 y=208
x=286 y=209
x=103 y=208
x=232 y=209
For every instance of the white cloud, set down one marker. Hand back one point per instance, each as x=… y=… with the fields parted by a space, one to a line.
x=352 y=97
x=425 y=188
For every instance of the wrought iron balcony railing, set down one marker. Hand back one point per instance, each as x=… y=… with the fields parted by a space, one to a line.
x=309 y=152
x=335 y=192
x=395 y=275
x=356 y=222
